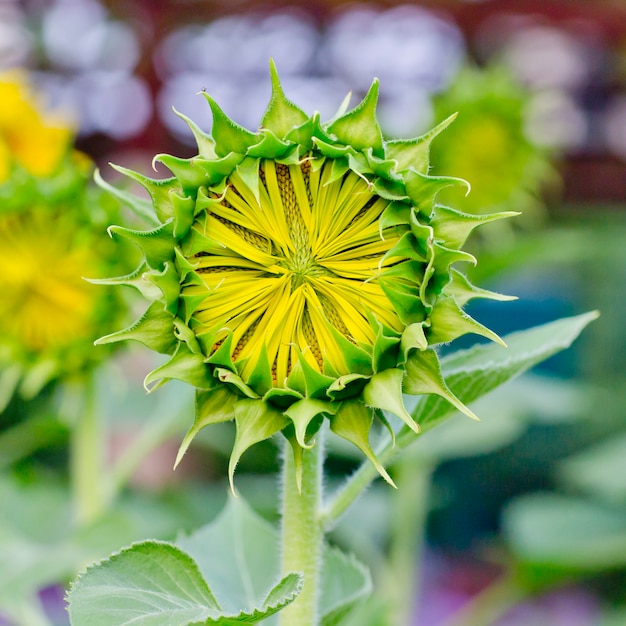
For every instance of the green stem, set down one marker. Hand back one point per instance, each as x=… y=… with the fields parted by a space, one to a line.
x=302 y=533
x=409 y=511
x=86 y=460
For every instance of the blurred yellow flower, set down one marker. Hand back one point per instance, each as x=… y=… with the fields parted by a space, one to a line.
x=29 y=137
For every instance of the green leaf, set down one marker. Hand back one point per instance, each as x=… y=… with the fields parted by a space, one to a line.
x=345 y=584
x=472 y=373
x=565 y=534
x=238 y=554
x=151 y=582
x=599 y=470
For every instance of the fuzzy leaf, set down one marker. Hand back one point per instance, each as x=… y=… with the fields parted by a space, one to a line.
x=238 y=555
x=151 y=579
x=472 y=373
x=345 y=583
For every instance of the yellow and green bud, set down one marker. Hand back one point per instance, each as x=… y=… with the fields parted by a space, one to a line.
x=302 y=272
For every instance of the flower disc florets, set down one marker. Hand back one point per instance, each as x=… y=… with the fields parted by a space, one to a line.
x=302 y=272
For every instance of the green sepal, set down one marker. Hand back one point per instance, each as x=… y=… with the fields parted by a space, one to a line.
x=260 y=379
x=302 y=412
x=184 y=333
x=423 y=189
x=269 y=146
x=384 y=391
x=190 y=303
x=184 y=267
x=359 y=127
x=255 y=421
x=423 y=376
x=186 y=171
x=393 y=190
x=303 y=135
x=385 y=168
x=248 y=172
x=385 y=349
x=409 y=247
x=218 y=169
x=234 y=380
x=356 y=358
x=331 y=150
x=338 y=169
x=347 y=386
x=154 y=329
x=142 y=208
x=135 y=279
x=415 y=153
x=315 y=382
x=184 y=207
x=454 y=227
x=157 y=244
x=168 y=283
x=222 y=356
x=404 y=298
x=158 y=189
x=353 y=422
x=462 y=290
x=445 y=257
x=196 y=242
x=449 y=321
x=204 y=141
x=282 y=397
x=185 y=365
x=228 y=136
x=298 y=452
x=281 y=115
x=212 y=407
x=413 y=338
x=395 y=214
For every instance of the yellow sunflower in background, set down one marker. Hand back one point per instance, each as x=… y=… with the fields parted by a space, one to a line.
x=51 y=220
x=490 y=147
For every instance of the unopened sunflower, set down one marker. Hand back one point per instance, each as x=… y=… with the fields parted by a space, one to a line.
x=302 y=272
x=51 y=218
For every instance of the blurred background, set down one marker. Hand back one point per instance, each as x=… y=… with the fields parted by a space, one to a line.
x=540 y=88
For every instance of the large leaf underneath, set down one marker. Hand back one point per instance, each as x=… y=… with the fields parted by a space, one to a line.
x=219 y=575
x=472 y=373
x=149 y=583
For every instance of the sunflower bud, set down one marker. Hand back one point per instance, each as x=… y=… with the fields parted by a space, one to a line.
x=303 y=272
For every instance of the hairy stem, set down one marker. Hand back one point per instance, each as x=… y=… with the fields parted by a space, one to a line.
x=302 y=533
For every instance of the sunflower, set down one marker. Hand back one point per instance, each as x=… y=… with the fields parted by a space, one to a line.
x=51 y=217
x=490 y=147
x=302 y=272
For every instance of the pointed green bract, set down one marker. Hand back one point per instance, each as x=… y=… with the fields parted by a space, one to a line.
x=302 y=272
